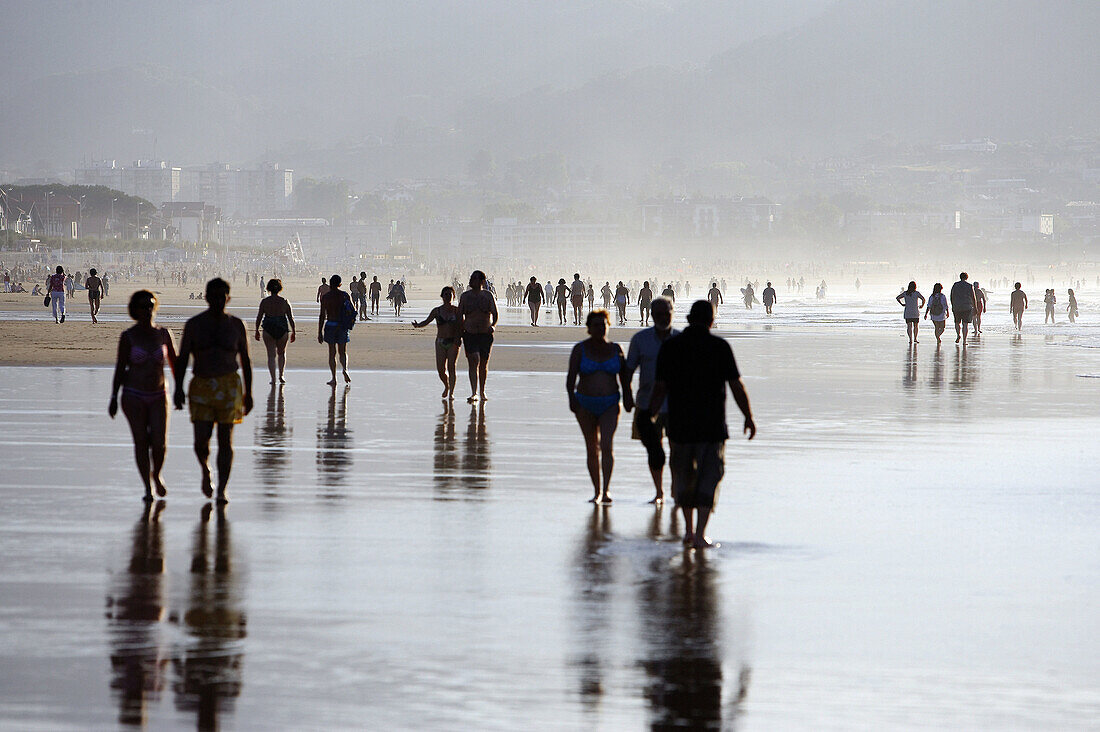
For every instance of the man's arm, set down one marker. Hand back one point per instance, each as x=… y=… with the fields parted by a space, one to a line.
x=246 y=365
x=742 y=398
x=321 y=320
x=180 y=369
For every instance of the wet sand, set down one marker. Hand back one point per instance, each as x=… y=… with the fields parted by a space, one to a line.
x=910 y=542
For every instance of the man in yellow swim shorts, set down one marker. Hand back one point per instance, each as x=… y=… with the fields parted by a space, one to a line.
x=218 y=341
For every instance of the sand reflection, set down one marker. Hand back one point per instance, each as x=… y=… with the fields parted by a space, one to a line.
x=273 y=440
x=334 y=443
x=209 y=669
x=135 y=611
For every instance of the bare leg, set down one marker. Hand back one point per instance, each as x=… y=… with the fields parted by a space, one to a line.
x=138 y=417
x=609 y=421
x=689 y=522
x=474 y=359
x=452 y=358
x=281 y=348
x=203 y=431
x=590 y=430
x=441 y=368
x=343 y=348
x=700 y=541
x=482 y=374
x=225 y=458
x=658 y=483
x=332 y=363
x=158 y=442
x=272 y=355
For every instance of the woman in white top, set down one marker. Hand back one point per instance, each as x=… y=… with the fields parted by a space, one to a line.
x=913 y=302
x=938 y=309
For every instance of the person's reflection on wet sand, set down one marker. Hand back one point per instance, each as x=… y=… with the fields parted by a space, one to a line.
x=596 y=581
x=273 y=440
x=445 y=456
x=936 y=379
x=334 y=443
x=966 y=369
x=678 y=607
x=209 y=669
x=909 y=377
x=1016 y=359
x=476 y=461
x=135 y=609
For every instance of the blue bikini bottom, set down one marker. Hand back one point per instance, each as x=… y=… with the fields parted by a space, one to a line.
x=597 y=405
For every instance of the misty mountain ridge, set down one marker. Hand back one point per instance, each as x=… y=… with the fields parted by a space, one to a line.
x=923 y=71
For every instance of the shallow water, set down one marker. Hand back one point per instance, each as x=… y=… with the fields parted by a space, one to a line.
x=910 y=542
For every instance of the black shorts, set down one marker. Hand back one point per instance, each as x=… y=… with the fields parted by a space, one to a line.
x=697 y=469
x=964 y=316
x=912 y=320
x=479 y=343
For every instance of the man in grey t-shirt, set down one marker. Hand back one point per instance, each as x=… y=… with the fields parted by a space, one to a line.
x=642 y=354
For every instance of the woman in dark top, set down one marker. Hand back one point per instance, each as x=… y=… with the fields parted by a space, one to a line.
x=139 y=372
x=447 y=337
x=276 y=321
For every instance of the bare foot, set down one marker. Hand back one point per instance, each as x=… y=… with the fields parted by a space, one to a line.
x=222 y=500
x=159 y=484
x=689 y=539
x=594 y=499
x=347 y=378
x=446 y=391
x=606 y=500
x=331 y=383
x=282 y=380
x=472 y=399
x=207 y=486
x=148 y=497
x=702 y=542
x=659 y=498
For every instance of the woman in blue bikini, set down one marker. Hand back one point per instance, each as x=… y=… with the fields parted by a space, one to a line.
x=447 y=337
x=594 y=366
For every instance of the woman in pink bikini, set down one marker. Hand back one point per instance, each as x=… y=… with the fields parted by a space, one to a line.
x=139 y=371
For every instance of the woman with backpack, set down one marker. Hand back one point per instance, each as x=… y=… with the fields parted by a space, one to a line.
x=939 y=310
x=913 y=301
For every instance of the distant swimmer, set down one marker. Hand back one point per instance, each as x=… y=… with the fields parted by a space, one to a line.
x=938 y=310
x=143 y=351
x=650 y=420
x=595 y=365
x=1071 y=310
x=1018 y=305
x=963 y=304
x=622 y=299
x=645 y=297
x=912 y=301
x=477 y=317
x=323 y=289
x=606 y=293
x=979 y=307
x=94 y=286
x=714 y=297
x=447 y=338
x=218 y=342
x=277 y=322
x=576 y=298
x=1049 y=300
x=334 y=324
x=693 y=371
x=533 y=297
x=769 y=298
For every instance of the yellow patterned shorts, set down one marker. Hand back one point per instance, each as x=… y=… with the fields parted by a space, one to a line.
x=216 y=399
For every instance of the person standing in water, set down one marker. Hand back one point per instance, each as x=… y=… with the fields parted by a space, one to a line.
x=979 y=308
x=714 y=297
x=1071 y=310
x=375 y=295
x=594 y=366
x=277 y=321
x=549 y=292
x=94 y=286
x=963 y=304
x=1017 y=305
x=332 y=327
x=447 y=337
x=1049 y=299
x=561 y=298
x=693 y=371
x=912 y=301
x=622 y=299
x=533 y=297
x=477 y=317
x=645 y=298
x=576 y=297
x=650 y=420
x=938 y=309
x=769 y=298
x=139 y=371
x=218 y=341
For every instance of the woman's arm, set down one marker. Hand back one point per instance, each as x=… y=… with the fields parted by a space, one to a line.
x=170 y=347
x=571 y=376
x=431 y=316
x=290 y=319
x=122 y=362
x=625 y=377
x=259 y=317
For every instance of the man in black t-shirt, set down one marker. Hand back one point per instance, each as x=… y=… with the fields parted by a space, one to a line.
x=693 y=370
